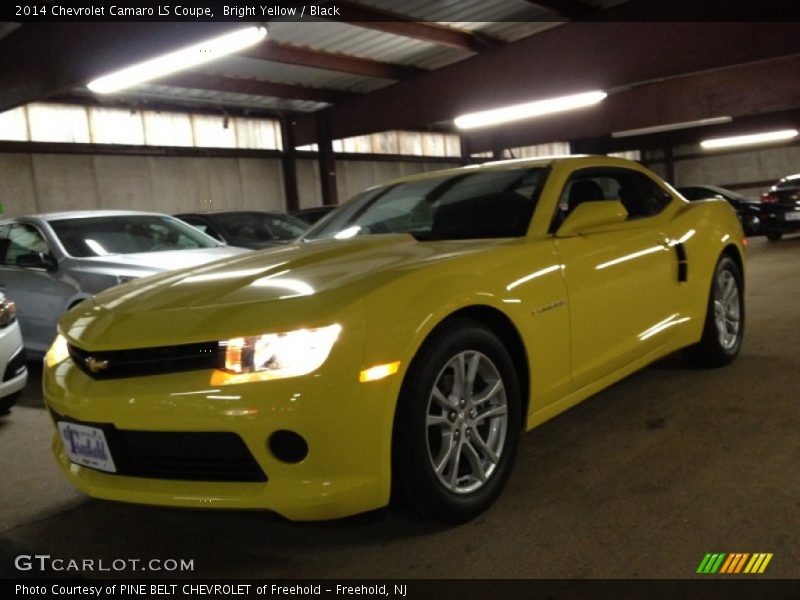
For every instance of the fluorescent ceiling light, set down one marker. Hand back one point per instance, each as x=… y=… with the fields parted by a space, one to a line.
x=671 y=127
x=185 y=58
x=746 y=140
x=528 y=110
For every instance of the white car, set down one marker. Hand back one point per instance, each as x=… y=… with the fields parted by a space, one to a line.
x=12 y=356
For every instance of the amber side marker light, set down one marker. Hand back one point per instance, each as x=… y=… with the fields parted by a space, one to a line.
x=379 y=372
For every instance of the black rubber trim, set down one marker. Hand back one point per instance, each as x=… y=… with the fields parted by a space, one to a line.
x=178 y=455
x=138 y=362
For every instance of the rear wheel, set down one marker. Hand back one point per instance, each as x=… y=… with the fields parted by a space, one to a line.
x=724 y=325
x=457 y=425
x=774 y=236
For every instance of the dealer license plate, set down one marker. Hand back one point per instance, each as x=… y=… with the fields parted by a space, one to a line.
x=86 y=446
x=793 y=216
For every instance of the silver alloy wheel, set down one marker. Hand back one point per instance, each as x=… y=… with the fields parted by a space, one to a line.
x=466 y=422
x=727 y=309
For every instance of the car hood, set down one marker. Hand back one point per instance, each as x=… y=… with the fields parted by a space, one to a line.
x=302 y=284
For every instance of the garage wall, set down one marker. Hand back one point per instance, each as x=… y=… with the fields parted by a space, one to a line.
x=742 y=167
x=353 y=176
x=734 y=169
x=48 y=182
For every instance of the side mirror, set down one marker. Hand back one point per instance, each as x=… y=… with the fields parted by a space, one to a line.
x=37 y=260
x=591 y=215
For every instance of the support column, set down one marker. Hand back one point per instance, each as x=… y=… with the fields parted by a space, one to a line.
x=327 y=162
x=669 y=165
x=466 y=159
x=288 y=162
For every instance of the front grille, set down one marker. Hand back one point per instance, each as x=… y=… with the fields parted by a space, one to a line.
x=148 y=361
x=16 y=366
x=186 y=455
x=179 y=455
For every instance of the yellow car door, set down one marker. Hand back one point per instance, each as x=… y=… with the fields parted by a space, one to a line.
x=622 y=278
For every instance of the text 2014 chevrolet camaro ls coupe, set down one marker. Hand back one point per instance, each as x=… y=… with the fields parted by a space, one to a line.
x=399 y=349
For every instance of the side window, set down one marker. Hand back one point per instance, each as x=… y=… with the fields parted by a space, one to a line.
x=640 y=196
x=654 y=198
x=23 y=240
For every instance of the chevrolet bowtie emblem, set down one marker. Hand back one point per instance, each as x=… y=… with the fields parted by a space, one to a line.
x=94 y=365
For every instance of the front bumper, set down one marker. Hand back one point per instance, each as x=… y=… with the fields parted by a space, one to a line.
x=346 y=424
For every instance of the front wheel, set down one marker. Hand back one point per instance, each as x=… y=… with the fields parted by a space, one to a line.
x=7 y=402
x=458 y=424
x=724 y=325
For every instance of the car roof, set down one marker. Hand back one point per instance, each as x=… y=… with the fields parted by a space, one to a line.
x=582 y=160
x=83 y=214
x=211 y=213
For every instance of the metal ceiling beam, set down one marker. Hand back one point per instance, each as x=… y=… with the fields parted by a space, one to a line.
x=396 y=24
x=571 y=9
x=576 y=56
x=235 y=85
x=740 y=126
x=318 y=59
x=42 y=59
x=740 y=91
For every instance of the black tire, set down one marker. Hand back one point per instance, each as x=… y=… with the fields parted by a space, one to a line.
x=774 y=236
x=415 y=482
x=710 y=352
x=7 y=402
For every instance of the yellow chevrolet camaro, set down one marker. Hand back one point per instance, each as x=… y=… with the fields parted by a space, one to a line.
x=400 y=348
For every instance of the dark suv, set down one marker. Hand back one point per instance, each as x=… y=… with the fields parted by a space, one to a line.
x=780 y=207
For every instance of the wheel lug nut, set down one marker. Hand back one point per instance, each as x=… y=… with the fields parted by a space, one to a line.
x=463 y=403
x=469 y=432
x=451 y=416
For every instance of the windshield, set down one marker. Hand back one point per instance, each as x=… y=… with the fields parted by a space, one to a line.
x=127 y=234
x=494 y=203
x=260 y=227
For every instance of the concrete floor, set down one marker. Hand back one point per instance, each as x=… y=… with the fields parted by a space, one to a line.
x=639 y=481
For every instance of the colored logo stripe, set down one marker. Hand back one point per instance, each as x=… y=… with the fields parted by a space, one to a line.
x=720 y=562
x=711 y=563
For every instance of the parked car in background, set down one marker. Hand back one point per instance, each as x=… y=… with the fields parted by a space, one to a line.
x=12 y=356
x=312 y=215
x=748 y=209
x=247 y=229
x=51 y=262
x=780 y=208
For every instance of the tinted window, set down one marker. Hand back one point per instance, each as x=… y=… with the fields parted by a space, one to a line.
x=127 y=234
x=21 y=239
x=260 y=227
x=788 y=183
x=469 y=205
x=201 y=225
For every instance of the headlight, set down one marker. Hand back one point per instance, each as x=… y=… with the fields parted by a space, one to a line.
x=58 y=353
x=278 y=355
x=8 y=311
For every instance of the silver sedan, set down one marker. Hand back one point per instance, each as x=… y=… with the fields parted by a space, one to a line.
x=51 y=262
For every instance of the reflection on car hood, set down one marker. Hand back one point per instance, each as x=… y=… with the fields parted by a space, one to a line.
x=299 y=284
x=156 y=262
